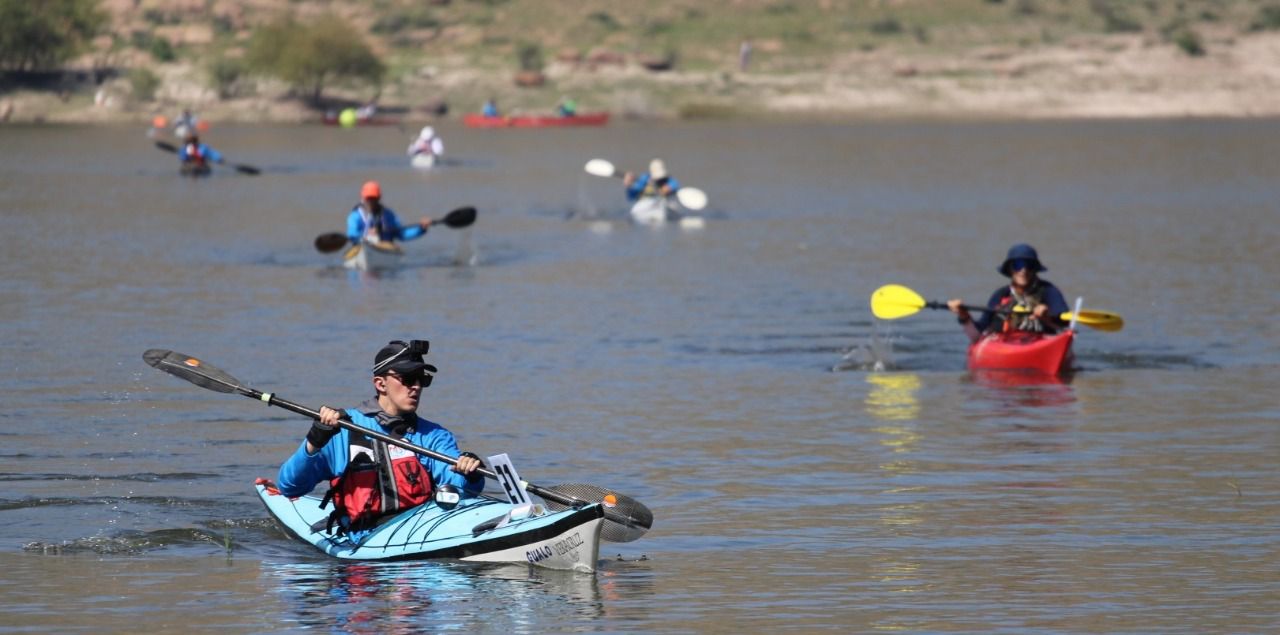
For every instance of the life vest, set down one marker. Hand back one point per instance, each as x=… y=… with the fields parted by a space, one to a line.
x=653 y=187
x=194 y=155
x=382 y=220
x=380 y=479
x=1022 y=321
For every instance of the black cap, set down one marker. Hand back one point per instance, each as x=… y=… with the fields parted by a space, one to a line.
x=402 y=358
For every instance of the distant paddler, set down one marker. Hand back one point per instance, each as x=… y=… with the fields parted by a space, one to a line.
x=426 y=149
x=654 y=194
x=370 y=221
x=195 y=156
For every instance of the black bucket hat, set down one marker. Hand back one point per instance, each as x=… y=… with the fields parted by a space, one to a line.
x=1021 y=251
x=402 y=358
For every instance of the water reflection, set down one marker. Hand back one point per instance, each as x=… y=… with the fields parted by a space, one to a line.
x=1012 y=389
x=409 y=597
x=893 y=396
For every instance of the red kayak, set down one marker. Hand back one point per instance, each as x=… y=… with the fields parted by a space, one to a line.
x=477 y=120
x=1036 y=352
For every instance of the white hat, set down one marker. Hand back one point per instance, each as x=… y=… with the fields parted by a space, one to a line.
x=427 y=132
x=657 y=169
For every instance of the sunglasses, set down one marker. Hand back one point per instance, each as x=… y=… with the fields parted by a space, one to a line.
x=1018 y=264
x=412 y=379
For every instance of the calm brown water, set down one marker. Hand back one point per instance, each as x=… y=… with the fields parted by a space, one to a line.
x=725 y=377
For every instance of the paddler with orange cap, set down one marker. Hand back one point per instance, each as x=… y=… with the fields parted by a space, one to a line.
x=371 y=220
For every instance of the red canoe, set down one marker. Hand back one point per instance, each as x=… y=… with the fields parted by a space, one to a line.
x=477 y=120
x=1045 y=354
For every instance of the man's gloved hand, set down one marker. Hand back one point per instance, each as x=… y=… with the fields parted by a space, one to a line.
x=323 y=429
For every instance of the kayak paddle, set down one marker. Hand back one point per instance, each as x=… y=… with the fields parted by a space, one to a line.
x=628 y=519
x=240 y=167
x=457 y=219
x=690 y=198
x=894 y=301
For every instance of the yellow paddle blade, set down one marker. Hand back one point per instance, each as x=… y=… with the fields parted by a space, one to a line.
x=351 y=252
x=1101 y=320
x=893 y=301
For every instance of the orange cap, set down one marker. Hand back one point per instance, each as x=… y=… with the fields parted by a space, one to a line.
x=371 y=189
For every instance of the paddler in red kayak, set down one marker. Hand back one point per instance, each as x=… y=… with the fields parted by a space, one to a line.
x=1026 y=304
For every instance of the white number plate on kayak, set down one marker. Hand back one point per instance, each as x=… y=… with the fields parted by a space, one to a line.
x=509 y=479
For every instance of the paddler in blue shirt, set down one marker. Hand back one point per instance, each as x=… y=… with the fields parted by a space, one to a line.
x=655 y=182
x=370 y=220
x=370 y=479
x=196 y=156
x=1027 y=303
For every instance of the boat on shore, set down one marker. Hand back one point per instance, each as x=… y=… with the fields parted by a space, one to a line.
x=372 y=255
x=479 y=529
x=477 y=120
x=1023 y=351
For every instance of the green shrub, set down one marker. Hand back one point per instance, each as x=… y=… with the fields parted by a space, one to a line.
x=396 y=21
x=1189 y=42
x=1268 y=19
x=605 y=19
x=162 y=50
x=886 y=26
x=310 y=55
x=144 y=84
x=1114 y=19
x=39 y=34
x=224 y=75
x=530 y=56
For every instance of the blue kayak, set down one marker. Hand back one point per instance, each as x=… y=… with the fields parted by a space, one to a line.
x=480 y=529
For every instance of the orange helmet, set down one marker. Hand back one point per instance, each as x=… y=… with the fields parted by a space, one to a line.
x=371 y=189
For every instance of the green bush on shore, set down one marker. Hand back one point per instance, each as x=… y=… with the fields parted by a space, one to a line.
x=37 y=35
x=310 y=55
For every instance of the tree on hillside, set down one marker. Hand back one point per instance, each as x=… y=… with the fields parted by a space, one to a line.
x=36 y=35
x=309 y=55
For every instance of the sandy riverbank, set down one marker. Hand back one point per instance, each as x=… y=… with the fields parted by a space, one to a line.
x=1111 y=77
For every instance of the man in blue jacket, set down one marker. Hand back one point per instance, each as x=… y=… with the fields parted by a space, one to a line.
x=396 y=479
x=370 y=220
x=196 y=156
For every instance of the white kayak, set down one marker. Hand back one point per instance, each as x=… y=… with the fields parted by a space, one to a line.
x=373 y=255
x=660 y=210
x=424 y=160
x=478 y=529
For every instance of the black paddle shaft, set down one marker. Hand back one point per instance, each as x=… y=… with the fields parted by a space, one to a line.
x=240 y=167
x=934 y=304
x=213 y=378
x=272 y=400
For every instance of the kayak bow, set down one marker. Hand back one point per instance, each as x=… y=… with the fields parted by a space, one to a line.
x=1035 y=352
